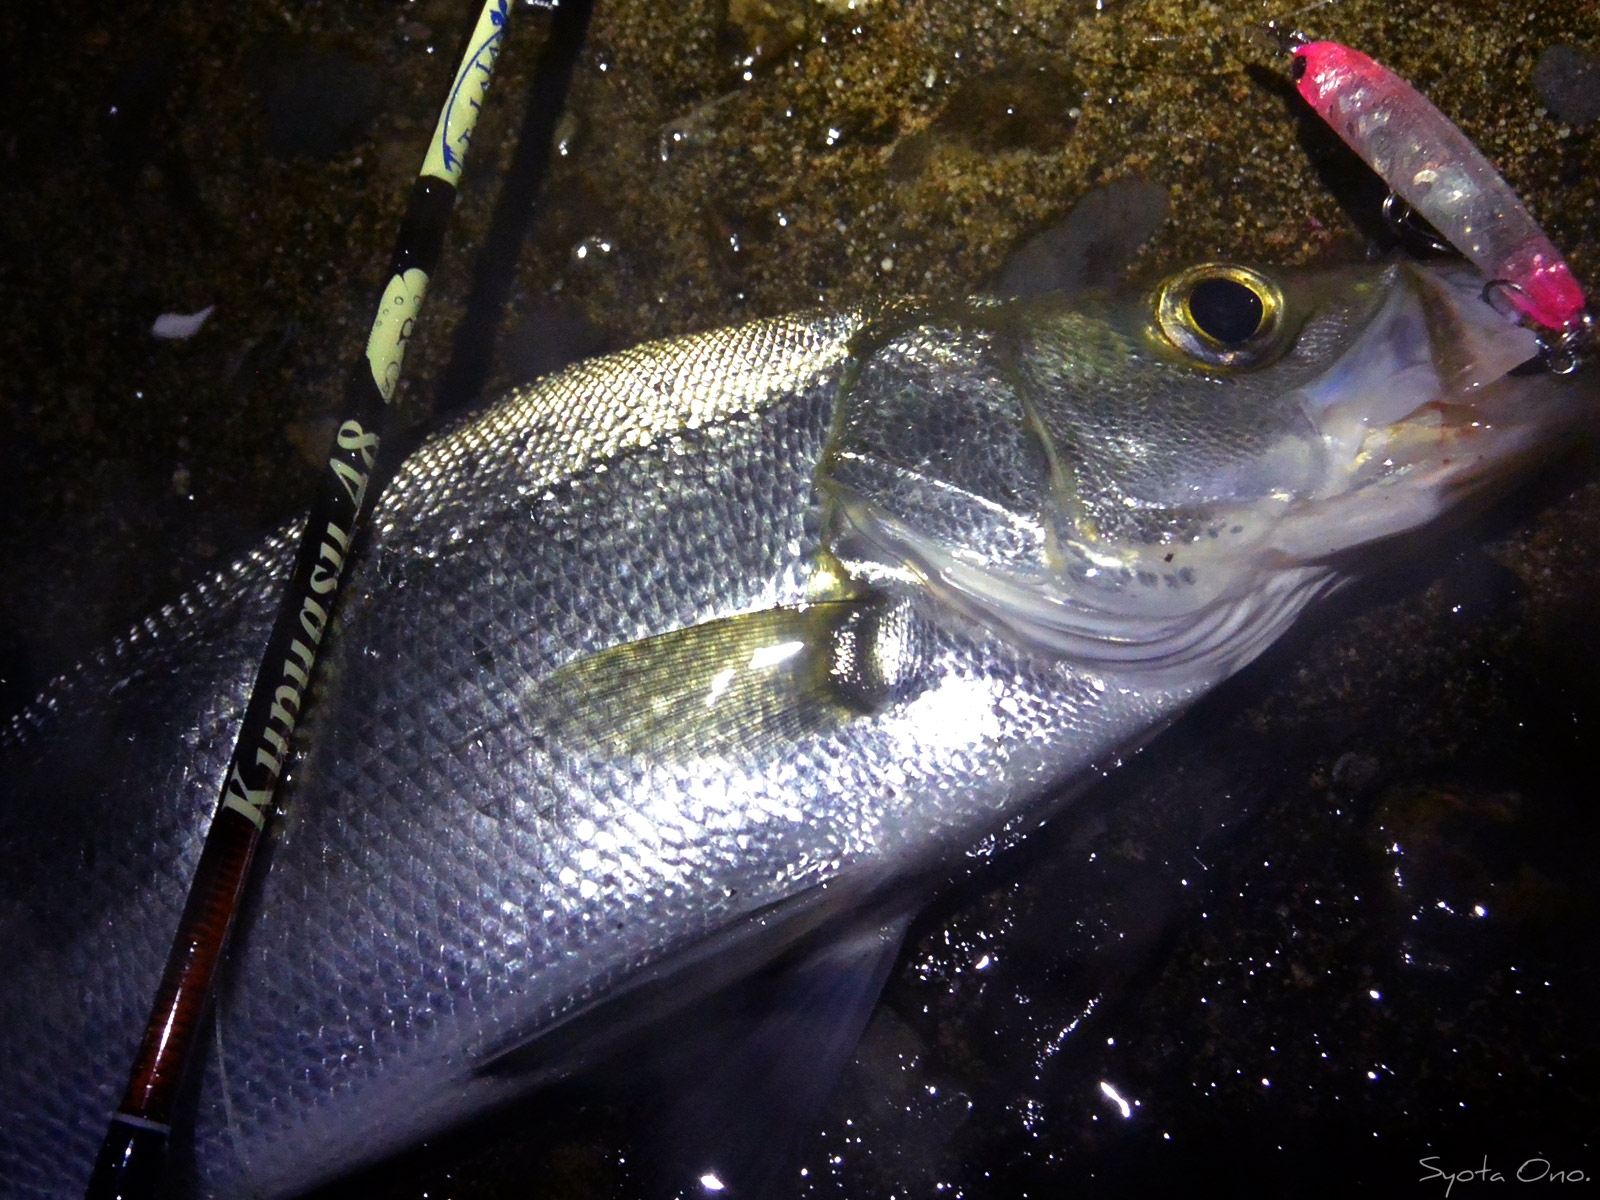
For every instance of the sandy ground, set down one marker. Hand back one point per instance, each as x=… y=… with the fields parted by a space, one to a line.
x=1228 y=936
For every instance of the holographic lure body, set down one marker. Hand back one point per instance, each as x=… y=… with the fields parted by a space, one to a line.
x=1436 y=169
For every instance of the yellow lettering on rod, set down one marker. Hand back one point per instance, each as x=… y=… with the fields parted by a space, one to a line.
x=313 y=619
x=286 y=706
x=353 y=437
x=250 y=803
x=300 y=672
x=354 y=481
x=330 y=561
x=339 y=536
x=273 y=763
x=278 y=742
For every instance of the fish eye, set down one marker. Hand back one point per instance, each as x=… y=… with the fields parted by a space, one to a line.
x=1221 y=315
x=1226 y=310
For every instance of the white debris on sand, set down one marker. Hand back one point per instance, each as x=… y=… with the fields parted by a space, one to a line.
x=175 y=327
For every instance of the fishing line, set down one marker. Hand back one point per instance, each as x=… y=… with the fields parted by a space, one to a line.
x=131 y=1158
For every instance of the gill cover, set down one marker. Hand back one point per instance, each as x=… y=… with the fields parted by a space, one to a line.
x=1151 y=482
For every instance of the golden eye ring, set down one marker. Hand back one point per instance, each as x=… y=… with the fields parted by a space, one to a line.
x=1221 y=315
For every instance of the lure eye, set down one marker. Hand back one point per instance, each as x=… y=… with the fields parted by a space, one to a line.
x=1221 y=315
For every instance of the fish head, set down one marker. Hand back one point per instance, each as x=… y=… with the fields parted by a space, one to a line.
x=1155 y=482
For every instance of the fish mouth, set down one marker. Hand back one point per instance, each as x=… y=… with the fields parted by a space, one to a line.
x=1441 y=397
x=1435 y=397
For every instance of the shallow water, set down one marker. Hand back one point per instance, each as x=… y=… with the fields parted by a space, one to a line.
x=1226 y=934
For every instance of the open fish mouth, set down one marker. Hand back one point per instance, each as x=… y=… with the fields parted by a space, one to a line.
x=1170 y=513
x=1441 y=394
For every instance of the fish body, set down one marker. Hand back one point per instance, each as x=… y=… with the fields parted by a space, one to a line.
x=673 y=659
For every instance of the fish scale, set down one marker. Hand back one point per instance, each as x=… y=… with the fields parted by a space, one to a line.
x=659 y=666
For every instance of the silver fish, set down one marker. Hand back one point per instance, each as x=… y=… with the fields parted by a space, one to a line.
x=681 y=655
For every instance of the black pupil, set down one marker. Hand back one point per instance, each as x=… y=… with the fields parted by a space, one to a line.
x=1226 y=311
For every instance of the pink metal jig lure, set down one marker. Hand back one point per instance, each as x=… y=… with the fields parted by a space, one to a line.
x=1436 y=169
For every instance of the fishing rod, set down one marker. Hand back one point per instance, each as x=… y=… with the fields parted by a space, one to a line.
x=132 y=1156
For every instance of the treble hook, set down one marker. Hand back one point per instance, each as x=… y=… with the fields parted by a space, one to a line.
x=1407 y=224
x=1562 y=351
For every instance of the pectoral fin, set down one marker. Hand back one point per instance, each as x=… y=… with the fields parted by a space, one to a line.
x=735 y=685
